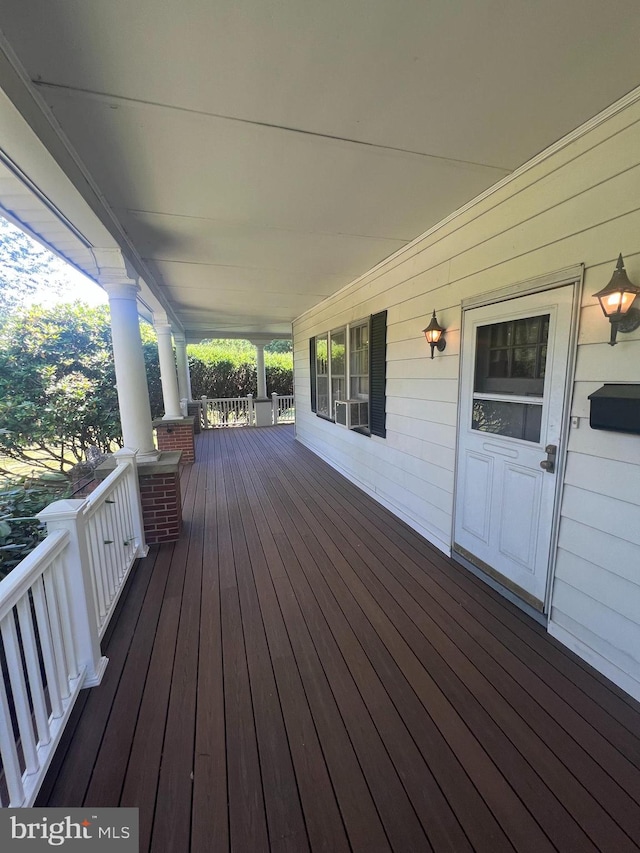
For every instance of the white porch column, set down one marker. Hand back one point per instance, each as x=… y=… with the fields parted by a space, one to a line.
x=184 y=376
x=168 y=376
x=262 y=374
x=131 y=377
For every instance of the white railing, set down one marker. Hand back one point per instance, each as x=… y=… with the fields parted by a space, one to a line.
x=114 y=531
x=283 y=409
x=54 y=608
x=227 y=411
x=240 y=411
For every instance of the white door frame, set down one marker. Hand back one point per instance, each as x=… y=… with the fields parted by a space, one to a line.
x=568 y=276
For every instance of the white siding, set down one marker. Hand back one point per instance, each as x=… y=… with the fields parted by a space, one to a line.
x=578 y=204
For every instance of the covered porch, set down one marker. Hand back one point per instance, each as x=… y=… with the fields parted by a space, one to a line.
x=302 y=671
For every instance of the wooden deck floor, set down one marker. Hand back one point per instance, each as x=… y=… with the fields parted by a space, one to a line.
x=303 y=672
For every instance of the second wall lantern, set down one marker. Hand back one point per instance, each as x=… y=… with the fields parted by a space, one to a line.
x=616 y=300
x=434 y=333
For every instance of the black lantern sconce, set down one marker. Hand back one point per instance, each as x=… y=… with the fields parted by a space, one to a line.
x=616 y=300
x=434 y=333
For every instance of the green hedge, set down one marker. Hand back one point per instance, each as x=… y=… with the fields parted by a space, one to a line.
x=218 y=372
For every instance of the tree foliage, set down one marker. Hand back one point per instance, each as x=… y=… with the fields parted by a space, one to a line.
x=26 y=268
x=57 y=382
x=57 y=385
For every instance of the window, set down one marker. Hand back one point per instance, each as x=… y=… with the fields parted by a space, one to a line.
x=359 y=362
x=511 y=357
x=509 y=377
x=350 y=364
x=322 y=375
x=338 y=364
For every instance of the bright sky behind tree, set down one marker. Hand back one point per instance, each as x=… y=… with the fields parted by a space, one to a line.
x=31 y=274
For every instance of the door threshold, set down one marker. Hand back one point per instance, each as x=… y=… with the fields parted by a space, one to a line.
x=504 y=591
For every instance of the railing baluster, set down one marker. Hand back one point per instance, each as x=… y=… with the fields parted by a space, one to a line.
x=19 y=692
x=53 y=614
x=31 y=656
x=126 y=459
x=118 y=534
x=94 y=549
x=9 y=753
x=106 y=555
x=46 y=645
x=60 y=585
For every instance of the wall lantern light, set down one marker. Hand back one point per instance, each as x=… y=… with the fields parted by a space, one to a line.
x=616 y=300
x=434 y=333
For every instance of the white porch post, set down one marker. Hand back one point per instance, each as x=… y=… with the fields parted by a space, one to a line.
x=168 y=376
x=184 y=376
x=262 y=374
x=131 y=377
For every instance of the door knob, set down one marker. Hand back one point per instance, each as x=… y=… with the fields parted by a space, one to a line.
x=549 y=464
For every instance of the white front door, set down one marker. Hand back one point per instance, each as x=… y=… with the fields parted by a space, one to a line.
x=514 y=365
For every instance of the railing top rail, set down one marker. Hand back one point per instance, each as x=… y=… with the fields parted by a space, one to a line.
x=20 y=579
x=226 y=399
x=95 y=500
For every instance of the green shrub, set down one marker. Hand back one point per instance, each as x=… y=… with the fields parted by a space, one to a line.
x=228 y=369
x=20 y=499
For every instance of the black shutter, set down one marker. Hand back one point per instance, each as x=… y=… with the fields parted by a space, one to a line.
x=377 y=373
x=312 y=371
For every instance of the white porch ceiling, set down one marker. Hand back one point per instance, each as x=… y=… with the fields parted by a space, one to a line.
x=260 y=155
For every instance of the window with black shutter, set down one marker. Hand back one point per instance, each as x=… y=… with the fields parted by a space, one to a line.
x=363 y=366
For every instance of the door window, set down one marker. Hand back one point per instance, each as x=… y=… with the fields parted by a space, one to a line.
x=509 y=375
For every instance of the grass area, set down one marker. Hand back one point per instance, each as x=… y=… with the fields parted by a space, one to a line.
x=13 y=468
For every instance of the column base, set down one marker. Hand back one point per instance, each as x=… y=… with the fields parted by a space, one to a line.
x=177 y=434
x=263 y=409
x=159 y=495
x=194 y=410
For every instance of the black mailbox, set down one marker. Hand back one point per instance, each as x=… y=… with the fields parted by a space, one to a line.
x=616 y=407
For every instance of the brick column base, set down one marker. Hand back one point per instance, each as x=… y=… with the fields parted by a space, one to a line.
x=159 y=495
x=161 y=506
x=194 y=410
x=177 y=435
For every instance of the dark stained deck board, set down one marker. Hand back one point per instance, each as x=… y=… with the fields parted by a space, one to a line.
x=210 y=816
x=285 y=823
x=436 y=814
x=247 y=817
x=535 y=657
x=617 y=800
x=324 y=823
x=140 y=785
x=399 y=818
x=556 y=777
x=596 y=689
x=363 y=825
x=591 y=739
x=172 y=823
x=70 y=771
x=424 y=680
x=303 y=671
x=105 y=785
x=380 y=627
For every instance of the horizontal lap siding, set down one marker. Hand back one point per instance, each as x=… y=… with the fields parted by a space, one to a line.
x=581 y=204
